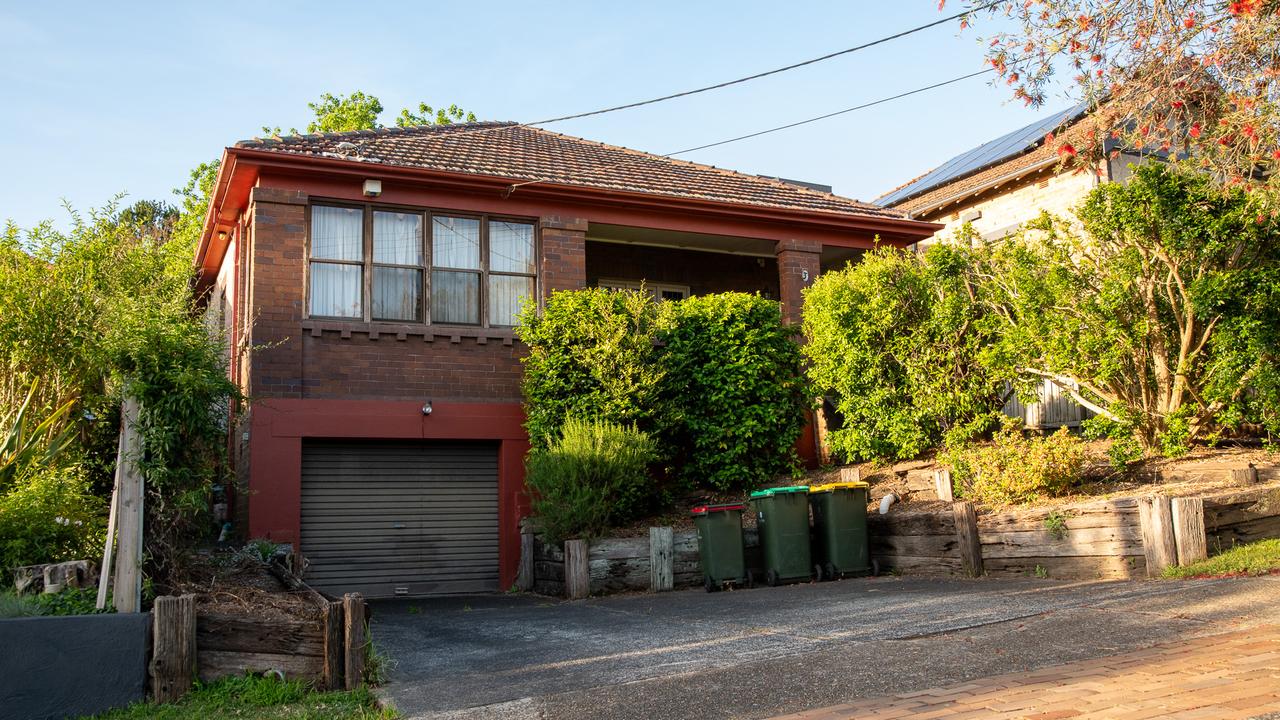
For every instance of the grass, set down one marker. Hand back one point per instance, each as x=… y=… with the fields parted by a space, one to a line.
x=259 y=698
x=1259 y=558
x=71 y=601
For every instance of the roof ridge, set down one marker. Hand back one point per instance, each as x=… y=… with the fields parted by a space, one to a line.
x=423 y=129
x=724 y=171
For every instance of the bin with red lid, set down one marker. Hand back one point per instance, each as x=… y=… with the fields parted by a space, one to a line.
x=720 y=544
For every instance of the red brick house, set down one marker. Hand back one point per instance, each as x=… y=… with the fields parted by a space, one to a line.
x=368 y=283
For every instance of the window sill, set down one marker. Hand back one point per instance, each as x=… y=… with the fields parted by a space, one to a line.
x=404 y=331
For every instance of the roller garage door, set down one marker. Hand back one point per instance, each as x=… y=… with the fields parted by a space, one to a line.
x=400 y=518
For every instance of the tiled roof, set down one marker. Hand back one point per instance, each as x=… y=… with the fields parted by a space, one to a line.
x=994 y=152
x=522 y=153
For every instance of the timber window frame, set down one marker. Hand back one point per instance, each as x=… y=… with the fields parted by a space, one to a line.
x=491 y=269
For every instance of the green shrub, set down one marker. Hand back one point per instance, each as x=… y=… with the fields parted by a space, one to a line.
x=593 y=476
x=50 y=515
x=591 y=354
x=733 y=392
x=902 y=344
x=1014 y=468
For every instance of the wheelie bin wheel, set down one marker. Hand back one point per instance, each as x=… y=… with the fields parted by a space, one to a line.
x=771 y=578
x=817 y=573
x=830 y=571
x=875 y=568
x=709 y=584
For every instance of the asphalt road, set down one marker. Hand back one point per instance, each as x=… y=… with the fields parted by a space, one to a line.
x=764 y=652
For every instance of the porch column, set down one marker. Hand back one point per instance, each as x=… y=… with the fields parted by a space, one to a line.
x=798 y=266
x=564 y=253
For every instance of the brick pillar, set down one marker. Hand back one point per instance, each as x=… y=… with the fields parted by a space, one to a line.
x=564 y=254
x=277 y=300
x=798 y=266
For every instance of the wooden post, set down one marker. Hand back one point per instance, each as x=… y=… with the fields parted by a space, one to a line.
x=1158 y=545
x=104 y=574
x=850 y=474
x=1188 y=529
x=173 y=656
x=334 y=655
x=577 y=570
x=1244 y=476
x=524 y=576
x=661 y=559
x=127 y=589
x=942 y=483
x=353 y=639
x=967 y=538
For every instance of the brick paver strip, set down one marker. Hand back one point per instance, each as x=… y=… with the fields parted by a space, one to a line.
x=1234 y=676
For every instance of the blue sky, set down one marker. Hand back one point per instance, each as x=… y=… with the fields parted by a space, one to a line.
x=107 y=98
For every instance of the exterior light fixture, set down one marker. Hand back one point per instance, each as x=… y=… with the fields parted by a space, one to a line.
x=372 y=188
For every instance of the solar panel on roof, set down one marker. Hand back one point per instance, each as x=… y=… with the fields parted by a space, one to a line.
x=985 y=155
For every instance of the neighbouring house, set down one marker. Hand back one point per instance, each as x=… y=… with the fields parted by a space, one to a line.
x=996 y=188
x=369 y=282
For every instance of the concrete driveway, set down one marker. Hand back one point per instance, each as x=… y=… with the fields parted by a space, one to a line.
x=769 y=651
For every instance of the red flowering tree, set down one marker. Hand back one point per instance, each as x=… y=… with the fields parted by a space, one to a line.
x=1184 y=76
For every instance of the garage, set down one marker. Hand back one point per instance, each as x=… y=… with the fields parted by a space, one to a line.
x=402 y=518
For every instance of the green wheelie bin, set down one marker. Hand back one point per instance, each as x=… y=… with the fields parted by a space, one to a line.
x=782 y=516
x=840 y=529
x=720 y=545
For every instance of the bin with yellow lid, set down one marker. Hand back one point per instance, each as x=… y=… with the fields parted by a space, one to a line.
x=840 y=546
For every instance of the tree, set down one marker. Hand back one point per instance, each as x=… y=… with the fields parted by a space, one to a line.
x=358 y=111
x=1161 y=316
x=340 y=113
x=427 y=116
x=1197 y=77
x=902 y=346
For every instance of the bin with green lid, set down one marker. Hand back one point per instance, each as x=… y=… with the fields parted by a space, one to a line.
x=720 y=545
x=840 y=546
x=782 y=517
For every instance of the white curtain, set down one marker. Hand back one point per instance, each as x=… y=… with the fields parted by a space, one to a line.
x=511 y=247
x=506 y=295
x=335 y=290
x=396 y=293
x=397 y=238
x=455 y=242
x=455 y=297
x=337 y=233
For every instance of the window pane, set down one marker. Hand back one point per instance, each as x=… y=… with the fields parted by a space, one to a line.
x=335 y=290
x=455 y=297
x=337 y=233
x=397 y=238
x=510 y=247
x=396 y=293
x=455 y=242
x=506 y=294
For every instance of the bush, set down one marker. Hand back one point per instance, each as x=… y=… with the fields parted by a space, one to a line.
x=901 y=342
x=1015 y=468
x=50 y=515
x=593 y=476
x=733 y=394
x=591 y=354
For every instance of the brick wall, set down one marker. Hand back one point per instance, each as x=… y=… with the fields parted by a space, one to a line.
x=360 y=368
x=703 y=272
x=564 y=252
x=799 y=262
x=279 y=244
x=1016 y=204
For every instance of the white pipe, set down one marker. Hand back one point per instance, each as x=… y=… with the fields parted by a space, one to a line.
x=886 y=501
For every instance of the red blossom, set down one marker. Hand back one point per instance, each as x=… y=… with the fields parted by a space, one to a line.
x=1066 y=150
x=1194 y=131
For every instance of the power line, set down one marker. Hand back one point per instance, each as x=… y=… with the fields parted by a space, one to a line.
x=863 y=106
x=766 y=73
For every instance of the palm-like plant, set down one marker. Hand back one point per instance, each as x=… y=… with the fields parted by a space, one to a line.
x=24 y=441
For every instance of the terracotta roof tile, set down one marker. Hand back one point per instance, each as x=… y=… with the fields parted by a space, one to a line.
x=522 y=154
